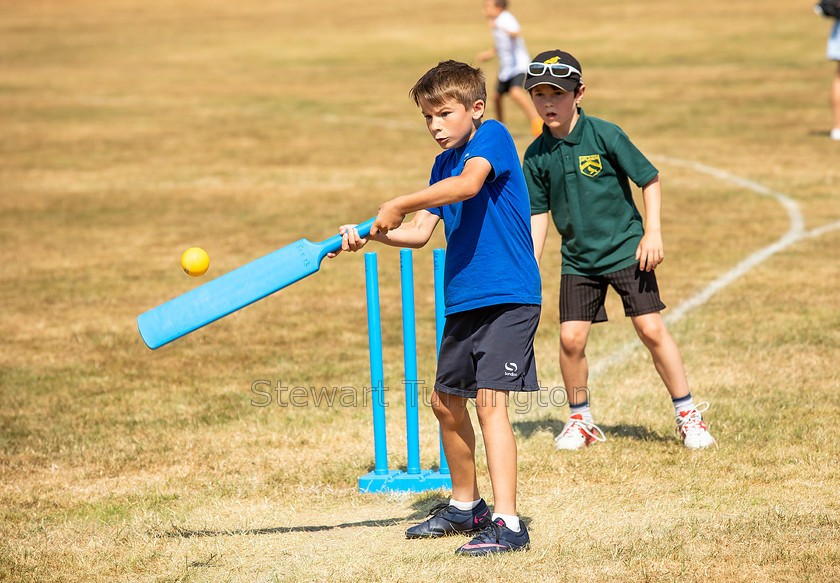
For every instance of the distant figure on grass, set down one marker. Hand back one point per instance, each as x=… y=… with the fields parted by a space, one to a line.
x=578 y=170
x=833 y=53
x=509 y=46
x=492 y=293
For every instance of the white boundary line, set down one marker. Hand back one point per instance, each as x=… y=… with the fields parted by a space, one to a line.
x=796 y=233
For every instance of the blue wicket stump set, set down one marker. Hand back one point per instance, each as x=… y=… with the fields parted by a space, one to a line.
x=413 y=479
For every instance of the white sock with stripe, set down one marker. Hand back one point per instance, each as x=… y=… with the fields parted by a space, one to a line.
x=582 y=409
x=683 y=404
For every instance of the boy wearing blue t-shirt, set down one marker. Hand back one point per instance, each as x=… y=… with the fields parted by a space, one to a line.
x=492 y=293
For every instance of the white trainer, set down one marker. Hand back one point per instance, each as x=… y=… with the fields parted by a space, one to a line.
x=835 y=134
x=578 y=433
x=692 y=429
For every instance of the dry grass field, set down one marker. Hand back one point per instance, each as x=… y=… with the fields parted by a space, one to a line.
x=132 y=130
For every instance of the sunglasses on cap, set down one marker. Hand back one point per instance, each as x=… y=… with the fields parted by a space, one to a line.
x=554 y=69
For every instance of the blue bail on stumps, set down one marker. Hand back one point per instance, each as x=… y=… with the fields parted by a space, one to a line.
x=414 y=479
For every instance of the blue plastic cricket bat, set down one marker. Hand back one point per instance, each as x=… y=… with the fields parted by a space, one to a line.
x=236 y=289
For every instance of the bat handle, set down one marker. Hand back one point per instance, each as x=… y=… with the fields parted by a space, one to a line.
x=364 y=228
x=334 y=243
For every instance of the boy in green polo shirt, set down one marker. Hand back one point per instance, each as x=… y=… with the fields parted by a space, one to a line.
x=580 y=170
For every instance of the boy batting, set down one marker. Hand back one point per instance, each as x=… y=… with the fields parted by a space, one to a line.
x=492 y=293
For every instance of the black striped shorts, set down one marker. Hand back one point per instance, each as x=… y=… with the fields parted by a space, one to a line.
x=582 y=297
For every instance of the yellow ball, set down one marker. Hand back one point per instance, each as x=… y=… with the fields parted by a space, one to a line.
x=195 y=261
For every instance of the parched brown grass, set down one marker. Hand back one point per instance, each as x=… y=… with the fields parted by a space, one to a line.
x=133 y=130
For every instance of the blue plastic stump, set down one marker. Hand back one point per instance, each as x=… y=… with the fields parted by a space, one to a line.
x=413 y=479
x=377 y=376
x=439 y=259
x=412 y=423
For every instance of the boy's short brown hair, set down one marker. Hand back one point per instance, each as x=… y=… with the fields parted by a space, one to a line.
x=450 y=80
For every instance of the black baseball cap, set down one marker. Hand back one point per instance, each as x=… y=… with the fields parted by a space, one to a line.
x=548 y=67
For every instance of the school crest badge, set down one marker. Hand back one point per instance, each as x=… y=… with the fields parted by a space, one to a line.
x=590 y=165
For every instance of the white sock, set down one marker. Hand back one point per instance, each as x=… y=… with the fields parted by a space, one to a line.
x=582 y=409
x=683 y=404
x=464 y=505
x=512 y=522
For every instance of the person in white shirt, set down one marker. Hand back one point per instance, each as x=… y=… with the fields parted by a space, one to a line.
x=509 y=47
x=833 y=53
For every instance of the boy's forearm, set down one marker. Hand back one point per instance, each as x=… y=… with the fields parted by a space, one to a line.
x=539 y=231
x=652 y=195
x=447 y=191
x=486 y=55
x=413 y=234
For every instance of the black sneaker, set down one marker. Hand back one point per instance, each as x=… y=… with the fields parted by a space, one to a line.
x=496 y=538
x=445 y=520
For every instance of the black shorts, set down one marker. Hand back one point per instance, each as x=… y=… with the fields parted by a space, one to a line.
x=489 y=348
x=582 y=297
x=515 y=81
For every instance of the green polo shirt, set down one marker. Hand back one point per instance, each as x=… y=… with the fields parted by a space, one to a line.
x=584 y=180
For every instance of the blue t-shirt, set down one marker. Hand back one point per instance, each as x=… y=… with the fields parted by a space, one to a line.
x=489 y=250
